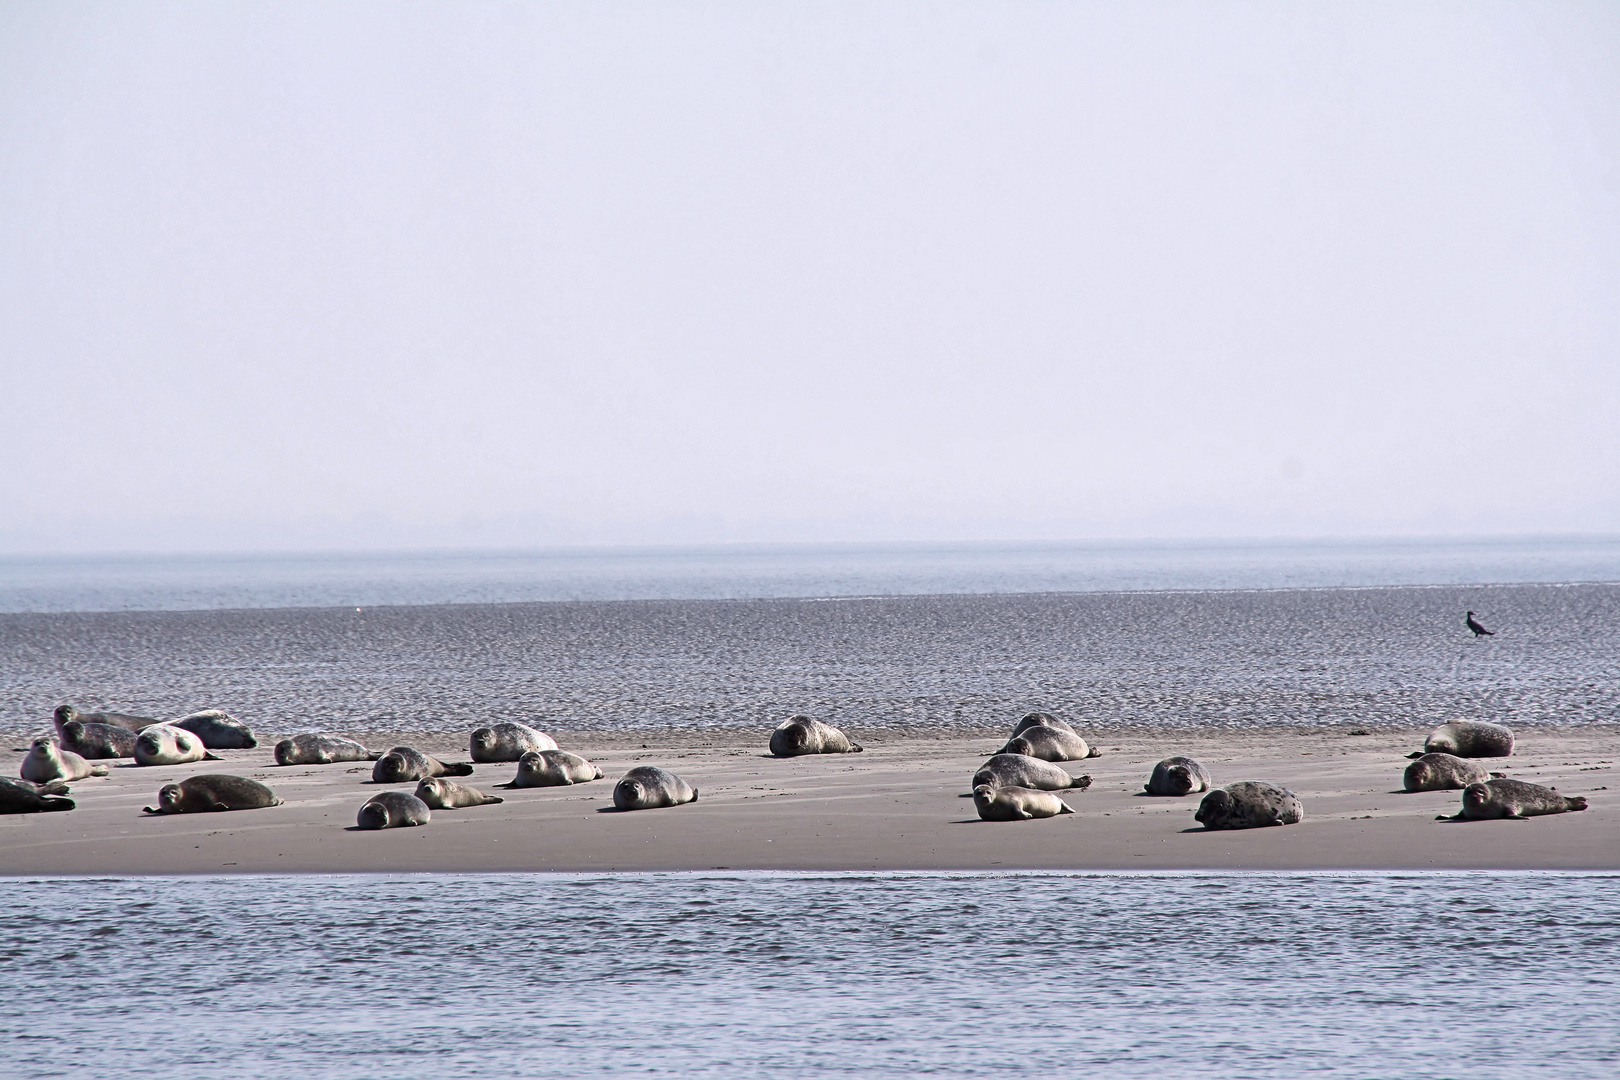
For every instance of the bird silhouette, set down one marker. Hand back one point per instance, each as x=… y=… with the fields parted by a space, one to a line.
x=1479 y=631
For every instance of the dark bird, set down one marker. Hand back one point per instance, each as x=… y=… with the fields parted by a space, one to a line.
x=1479 y=631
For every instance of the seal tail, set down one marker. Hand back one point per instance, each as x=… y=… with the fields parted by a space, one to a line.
x=212 y=757
x=458 y=768
x=1094 y=752
x=1080 y=782
x=1577 y=802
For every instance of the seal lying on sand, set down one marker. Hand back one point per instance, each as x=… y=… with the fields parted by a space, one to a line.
x=508 y=742
x=24 y=797
x=803 y=735
x=1468 y=738
x=218 y=730
x=1021 y=770
x=1249 y=804
x=1444 y=772
x=165 y=744
x=64 y=713
x=647 y=787
x=312 y=749
x=1177 y=776
x=442 y=794
x=553 y=768
x=1041 y=719
x=210 y=792
x=1049 y=744
x=404 y=763
x=1512 y=799
x=97 y=741
x=1016 y=803
x=393 y=810
x=46 y=762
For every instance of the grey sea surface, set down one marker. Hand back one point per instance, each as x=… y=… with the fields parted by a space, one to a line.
x=797 y=975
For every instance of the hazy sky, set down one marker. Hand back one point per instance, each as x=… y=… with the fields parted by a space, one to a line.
x=361 y=275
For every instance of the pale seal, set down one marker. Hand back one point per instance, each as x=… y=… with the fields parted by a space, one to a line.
x=442 y=794
x=64 y=713
x=1041 y=719
x=1513 y=799
x=1249 y=804
x=313 y=749
x=404 y=763
x=508 y=742
x=1444 y=772
x=1468 y=738
x=218 y=730
x=165 y=744
x=805 y=735
x=1016 y=803
x=210 y=792
x=647 y=787
x=97 y=741
x=1049 y=744
x=1177 y=776
x=553 y=768
x=1021 y=770
x=393 y=810
x=25 y=797
x=46 y=762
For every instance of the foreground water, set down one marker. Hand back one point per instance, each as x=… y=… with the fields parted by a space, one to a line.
x=1434 y=975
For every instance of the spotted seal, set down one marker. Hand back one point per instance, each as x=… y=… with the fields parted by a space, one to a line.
x=46 y=762
x=1041 y=719
x=1049 y=744
x=312 y=749
x=1512 y=799
x=1444 y=772
x=1021 y=770
x=218 y=730
x=1249 y=804
x=64 y=713
x=393 y=810
x=1177 y=776
x=508 y=742
x=805 y=735
x=1016 y=803
x=207 y=793
x=553 y=768
x=442 y=794
x=97 y=741
x=25 y=797
x=165 y=744
x=1468 y=738
x=404 y=763
x=647 y=787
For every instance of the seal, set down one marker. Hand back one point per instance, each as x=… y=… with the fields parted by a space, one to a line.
x=46 y=762
x=804 y=735
x=508 y=742
x=1177 y=776
x=553 y=768
x=1249 y=804
x=218 y=730
x=64 y=713
x=1468 y=738
x=165 y=744
x=1041 y=719
x=442 y=794
x=1512 y=799
x=210 y=792
x=1444 y=772
x=313 y=749
x=97 y=741
x=1016 y=803
x=23 y=797
x=404 y=763
x=1049 y=744
x=647 y=787
x=393 y=810
x=1021 y=770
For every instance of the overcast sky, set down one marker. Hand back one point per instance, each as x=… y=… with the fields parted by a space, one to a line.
x=418 y=275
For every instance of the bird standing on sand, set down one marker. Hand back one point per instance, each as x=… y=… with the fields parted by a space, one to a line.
x=1479 y=631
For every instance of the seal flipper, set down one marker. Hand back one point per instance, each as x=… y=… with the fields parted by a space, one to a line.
x=212 y=757
x=57 y=803
x=1498 y=776
x=1067 y=809
x=1415 y=754
x=458 y=768
x=151 y=810
x=1081 y=783
x=1094 y=752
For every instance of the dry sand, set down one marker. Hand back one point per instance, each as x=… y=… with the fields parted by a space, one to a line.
x=899 y=805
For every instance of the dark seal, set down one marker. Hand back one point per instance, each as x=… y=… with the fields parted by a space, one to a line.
x=1249 y=804
x=209 y=793
x=393 y=810
x=647 y=787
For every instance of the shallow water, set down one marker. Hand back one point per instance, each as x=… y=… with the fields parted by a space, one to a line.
x=787 y=975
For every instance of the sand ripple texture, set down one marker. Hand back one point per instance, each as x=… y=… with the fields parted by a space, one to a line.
x=1433 y=975
x=1357 y=657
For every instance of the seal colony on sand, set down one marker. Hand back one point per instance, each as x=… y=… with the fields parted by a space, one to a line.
x=64 y=713
x=165 y=744
x=1016 y=803
x=209 y=793
x=508 y=742
x=313 y=749
x=218 y=730
x=441 y=794
x=1021 y=770
x=553 y=768
x=647 y=787
x=1444 y=772
x=25 y=797
x=46 y=762
x=1177 y=776
x=1512 y=799
x=1249 y=804
x=405 y=763
x=1049 y=744
x=393 y=810
x=1469 y=738
x=97 y=742
x=805 y=735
